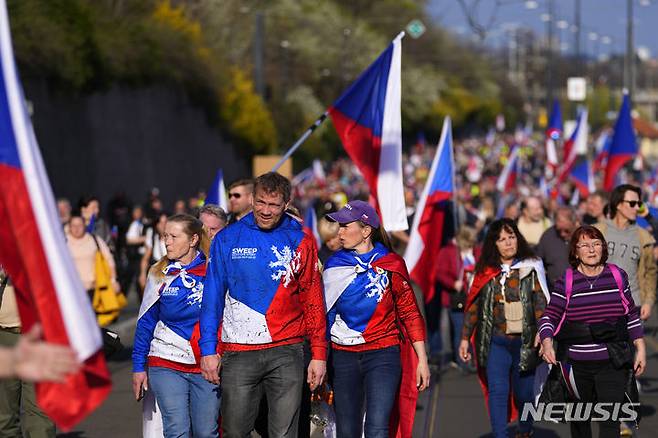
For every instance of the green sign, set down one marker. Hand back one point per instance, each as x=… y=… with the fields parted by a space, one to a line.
x=416 y=28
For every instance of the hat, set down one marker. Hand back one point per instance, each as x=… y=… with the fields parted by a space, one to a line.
x=356 y=211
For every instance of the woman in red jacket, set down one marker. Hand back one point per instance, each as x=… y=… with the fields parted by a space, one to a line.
x=454 y=274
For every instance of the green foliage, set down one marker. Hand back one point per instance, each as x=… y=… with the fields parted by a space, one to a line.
x=246 y=115
x=312 y=51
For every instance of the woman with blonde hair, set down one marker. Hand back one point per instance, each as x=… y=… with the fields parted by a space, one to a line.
x=166 y=351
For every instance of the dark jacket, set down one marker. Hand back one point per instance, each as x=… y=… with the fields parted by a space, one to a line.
x=554 y=252
x=484 y=330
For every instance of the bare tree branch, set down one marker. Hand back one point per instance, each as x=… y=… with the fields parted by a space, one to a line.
x=471 y=12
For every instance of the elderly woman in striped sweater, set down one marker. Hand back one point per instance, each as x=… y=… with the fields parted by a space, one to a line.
x=594 y=319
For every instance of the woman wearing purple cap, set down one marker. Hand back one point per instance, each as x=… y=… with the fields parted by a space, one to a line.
x=367 y=293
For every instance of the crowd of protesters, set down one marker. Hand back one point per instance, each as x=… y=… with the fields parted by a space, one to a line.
x=513 y=249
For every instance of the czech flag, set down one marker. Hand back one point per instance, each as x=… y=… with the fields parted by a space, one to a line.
x=34 y=254
x=217 y=192
x=368 y=121
x=553 y=135
x=623 y=146
x=311 y=224
x=429 y=231
x=582 y=176
x=577 y=144
x=602 y=150
x=507 y=178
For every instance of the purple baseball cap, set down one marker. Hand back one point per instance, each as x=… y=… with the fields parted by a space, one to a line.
x=356 y=211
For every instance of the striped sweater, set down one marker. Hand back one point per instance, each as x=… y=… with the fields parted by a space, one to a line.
x=593 y=300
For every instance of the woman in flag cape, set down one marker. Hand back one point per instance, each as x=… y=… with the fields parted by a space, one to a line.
x=166 y=350
x=508 y=296
x=377 y=332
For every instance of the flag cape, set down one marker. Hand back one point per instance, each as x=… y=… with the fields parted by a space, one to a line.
x=480 y=280
x=367 y=119
x=34 y=254
x=427 y=232
x=217 y=192
x=404 y=410
x=623 y=146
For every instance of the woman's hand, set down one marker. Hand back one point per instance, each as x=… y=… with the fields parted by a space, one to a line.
x=547 y=352
x=640 y=357
x=140 y=383
x=464 y=354
x=422 y=375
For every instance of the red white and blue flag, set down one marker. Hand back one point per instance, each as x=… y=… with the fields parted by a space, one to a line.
x=368 y=121
x=553 y=135
x=427 y=231
x=34 y=254
x=623 y=147
x=582 y=176
x=311 y=224
x=217 y=192
x=507 y=178
x=577 y=144
x=602 y=144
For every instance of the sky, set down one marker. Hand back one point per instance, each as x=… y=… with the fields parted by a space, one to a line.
x=603 y=22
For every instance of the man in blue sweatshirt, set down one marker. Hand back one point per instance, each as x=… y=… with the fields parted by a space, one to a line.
x=263 y=288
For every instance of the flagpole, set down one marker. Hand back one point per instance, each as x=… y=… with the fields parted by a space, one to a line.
x=301 y=140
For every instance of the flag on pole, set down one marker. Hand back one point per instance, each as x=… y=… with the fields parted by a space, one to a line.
x=34 y=254
x=553 y=135
x=582 y=176
x=367 y=118
x=623 y=147
x=602 y=144
x=311 y=224
x=217 y=192
x=577 y=144
x=507 y=178
x=428 y=230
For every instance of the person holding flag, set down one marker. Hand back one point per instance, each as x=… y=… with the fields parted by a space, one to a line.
x=506 y=299
x=367 y=289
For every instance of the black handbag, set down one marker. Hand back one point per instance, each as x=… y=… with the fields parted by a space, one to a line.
x=555 y=389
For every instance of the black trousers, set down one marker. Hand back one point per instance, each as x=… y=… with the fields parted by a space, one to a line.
x=598 y=381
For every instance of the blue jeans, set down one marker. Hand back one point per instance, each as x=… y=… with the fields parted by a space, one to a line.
x=457 y=321
x=374 y=375
x=277 y=372
x=503 y=367
x=189 y=403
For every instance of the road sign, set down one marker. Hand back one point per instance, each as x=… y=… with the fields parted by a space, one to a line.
x=576 y=89
x=416 y=28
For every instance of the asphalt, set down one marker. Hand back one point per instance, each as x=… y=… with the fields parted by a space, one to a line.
x=452 y=407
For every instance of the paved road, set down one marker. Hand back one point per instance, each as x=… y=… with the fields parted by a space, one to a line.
x=454 y=407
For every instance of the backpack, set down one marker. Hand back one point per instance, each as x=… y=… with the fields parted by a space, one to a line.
x=568 y=289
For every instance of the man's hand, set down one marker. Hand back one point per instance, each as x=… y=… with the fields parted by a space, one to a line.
x=645 y=311
x=458 y=285
x=38 y=361
x=317 y=369
x=210 y=366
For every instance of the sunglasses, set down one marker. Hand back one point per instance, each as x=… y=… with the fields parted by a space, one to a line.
x=234 y=195
x=632 y=204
